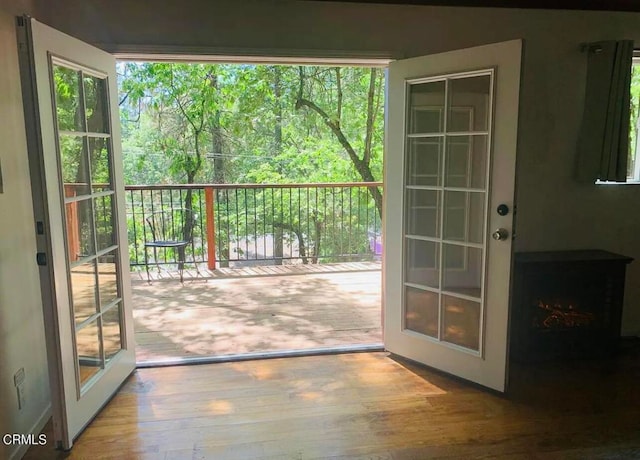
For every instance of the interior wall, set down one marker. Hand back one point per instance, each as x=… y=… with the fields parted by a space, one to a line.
x=22 y=342
x=554 y=210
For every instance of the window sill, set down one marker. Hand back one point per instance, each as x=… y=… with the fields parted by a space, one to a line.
x=628 y=182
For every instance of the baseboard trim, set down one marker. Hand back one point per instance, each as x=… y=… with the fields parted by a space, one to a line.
x=36 y=429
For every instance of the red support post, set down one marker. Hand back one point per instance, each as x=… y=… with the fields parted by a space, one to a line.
x=73 y=232
x=209 y=200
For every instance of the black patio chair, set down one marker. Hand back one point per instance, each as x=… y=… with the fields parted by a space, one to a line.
x=169 y=229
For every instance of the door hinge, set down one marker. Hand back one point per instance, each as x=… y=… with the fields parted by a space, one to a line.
x=41 y=259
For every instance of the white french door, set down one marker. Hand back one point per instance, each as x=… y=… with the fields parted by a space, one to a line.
x=449 y=194
x=71 y=110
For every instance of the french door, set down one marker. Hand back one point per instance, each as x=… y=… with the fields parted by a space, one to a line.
x=449 y=170
x=449 y=191
x=71 y=111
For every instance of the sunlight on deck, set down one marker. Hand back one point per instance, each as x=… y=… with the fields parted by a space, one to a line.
x=230 y=315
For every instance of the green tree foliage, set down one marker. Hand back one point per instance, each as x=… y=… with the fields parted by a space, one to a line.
x=180 y=99
x=251 y=118
x=223 y=123
x=352 y=121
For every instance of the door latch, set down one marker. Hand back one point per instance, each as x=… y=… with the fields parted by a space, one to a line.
x=503 y=209
x=41 y=259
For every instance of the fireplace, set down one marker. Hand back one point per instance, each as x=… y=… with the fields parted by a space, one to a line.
x=566 y=304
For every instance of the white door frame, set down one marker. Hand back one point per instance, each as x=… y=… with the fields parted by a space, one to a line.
x=42 y=218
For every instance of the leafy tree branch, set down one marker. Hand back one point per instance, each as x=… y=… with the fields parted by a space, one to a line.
x=361 y=164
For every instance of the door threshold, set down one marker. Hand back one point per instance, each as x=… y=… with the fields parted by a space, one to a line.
x=192 y=360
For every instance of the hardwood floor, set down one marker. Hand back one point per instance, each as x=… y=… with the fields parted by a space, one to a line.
x=258 y=309
x=366 y=405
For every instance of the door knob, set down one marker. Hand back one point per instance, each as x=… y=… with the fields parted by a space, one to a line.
x=500 y=234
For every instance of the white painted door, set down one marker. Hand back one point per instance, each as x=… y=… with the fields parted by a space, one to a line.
x=449 y=164
x=75 y=155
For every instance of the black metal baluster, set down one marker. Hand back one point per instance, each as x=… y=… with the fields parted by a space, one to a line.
x=375 y=227
x=368 y=225
x=197 y=225
x=230 y=222
x=216 y=210
x=237 y=234
x=255 y=225
x=280 y=244
x=359 y=231
x=309 y=237
x=135 y=229
x=144 y=223
x=327 y=239
x=273 y=226
x=350 y=225
x=164 y=226
x=333 y=204
x=317 y=212
x=246 y=227
x=153 y=207
x=291 y=239
x=341 y=223
x=202 y=230
x=299 y=220
x=264 y=223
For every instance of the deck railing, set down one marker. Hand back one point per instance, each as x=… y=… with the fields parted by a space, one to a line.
x=256 y=224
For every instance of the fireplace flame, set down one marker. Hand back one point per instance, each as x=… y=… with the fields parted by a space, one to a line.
x=559 y=316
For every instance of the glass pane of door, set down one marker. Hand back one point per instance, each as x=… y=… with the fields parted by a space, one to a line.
x=446 y=172
x=84 y=149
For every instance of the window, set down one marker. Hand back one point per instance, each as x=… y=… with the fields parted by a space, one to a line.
x=633 y=165
x=633 y=161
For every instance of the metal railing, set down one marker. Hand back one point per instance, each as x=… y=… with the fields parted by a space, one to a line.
x=256 y=224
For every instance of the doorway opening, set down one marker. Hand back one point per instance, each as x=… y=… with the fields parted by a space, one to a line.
x=73 y=342
x=271 y=175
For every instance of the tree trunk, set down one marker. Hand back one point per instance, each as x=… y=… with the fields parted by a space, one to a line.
x=217 y=147
x=278 y=236
x=298 y=233
x=317 y=226
x=219 y=176
x=277 y=110
x=277 y=150
x=187 y=221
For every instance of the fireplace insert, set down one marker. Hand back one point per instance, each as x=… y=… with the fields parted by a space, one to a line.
x=566 y=304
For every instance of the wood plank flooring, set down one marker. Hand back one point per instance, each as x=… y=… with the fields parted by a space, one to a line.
x=270 y=309
x=366 y=405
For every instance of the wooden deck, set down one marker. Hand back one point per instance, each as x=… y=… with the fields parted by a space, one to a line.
x=257 y=309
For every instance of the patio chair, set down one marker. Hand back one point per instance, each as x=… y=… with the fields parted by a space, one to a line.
x=167 y=229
